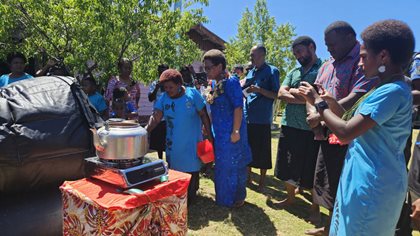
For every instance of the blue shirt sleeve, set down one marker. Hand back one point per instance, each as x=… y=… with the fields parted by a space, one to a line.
x=234 y=92
x=383 y=103
x=198 y=100
x=101 y=103
x=3 y=80
x=275 y=80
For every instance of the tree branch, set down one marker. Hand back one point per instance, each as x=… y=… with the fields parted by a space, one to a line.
x=26 y=15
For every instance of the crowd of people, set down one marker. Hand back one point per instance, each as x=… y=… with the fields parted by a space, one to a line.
x=345 y=131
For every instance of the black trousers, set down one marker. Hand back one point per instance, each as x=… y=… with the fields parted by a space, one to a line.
x=193 y=186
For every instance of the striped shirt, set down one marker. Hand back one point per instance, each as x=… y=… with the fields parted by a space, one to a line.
x=133 y=92
x=114 y=82
x=343 y=77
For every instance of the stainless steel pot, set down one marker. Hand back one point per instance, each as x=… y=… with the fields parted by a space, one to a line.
x=120 y=140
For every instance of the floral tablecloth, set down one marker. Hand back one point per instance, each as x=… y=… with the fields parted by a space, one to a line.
x=93 y=207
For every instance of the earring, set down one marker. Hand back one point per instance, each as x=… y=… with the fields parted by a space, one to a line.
x=382 y=69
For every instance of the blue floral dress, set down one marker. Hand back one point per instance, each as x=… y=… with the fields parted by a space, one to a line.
x=183 y=126
x=231 y=159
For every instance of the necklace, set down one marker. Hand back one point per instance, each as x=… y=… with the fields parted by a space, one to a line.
x=218 y=90
x=349 y=113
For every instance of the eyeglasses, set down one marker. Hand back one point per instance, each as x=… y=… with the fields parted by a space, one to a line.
x=208 y=68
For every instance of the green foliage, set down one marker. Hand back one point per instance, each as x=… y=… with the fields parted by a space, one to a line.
x=149 y=31
x=258 y=27
x=237 y=51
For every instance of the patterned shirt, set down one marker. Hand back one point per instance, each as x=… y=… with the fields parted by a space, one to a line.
x=414 y=70
x=183 y=129
x=114 y=83
x=133 y=91
x=343 y=77
x=295 y=114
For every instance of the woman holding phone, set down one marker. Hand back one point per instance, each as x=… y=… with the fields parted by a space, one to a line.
x=373 y=182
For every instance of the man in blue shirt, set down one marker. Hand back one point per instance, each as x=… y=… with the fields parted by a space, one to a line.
x=261 y=85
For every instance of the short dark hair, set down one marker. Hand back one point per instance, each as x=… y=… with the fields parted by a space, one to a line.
x=303 y=40
x=216 y=57
x=261 y=48
x=91 y=80
x=123 y=61
x=163 y=67
x=392 y=35
x=239 y=66
x=248 y=66
x=14 y=55
x=119 y=93
x=59 y=67
x=171 y=75
x=340 y=27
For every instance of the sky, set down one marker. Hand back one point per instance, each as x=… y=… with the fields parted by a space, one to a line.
x=311 y=17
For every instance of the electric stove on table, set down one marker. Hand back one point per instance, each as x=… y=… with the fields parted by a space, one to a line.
x=125 y=173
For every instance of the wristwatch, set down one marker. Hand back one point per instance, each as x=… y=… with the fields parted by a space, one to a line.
x=320 y=106
x=236 y=131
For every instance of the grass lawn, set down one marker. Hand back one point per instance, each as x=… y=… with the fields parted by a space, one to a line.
x=256 y=217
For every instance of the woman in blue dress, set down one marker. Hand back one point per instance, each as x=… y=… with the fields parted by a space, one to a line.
x=184 y=111
x=373 y=182
x=231 y=142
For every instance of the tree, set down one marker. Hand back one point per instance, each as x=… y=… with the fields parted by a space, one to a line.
x=147 y=31
x=246 y=39
x=259 y=27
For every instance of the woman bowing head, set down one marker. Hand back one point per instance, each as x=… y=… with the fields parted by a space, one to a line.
x=232 y=153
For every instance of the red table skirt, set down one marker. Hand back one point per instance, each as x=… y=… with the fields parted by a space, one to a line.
x=92 y=207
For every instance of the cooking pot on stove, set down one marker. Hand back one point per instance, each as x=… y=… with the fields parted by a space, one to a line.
x=120 y=139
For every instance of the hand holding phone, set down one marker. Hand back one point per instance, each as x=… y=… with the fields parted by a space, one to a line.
x=325 y=94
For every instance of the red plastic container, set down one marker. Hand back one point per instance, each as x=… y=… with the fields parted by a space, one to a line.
x=205 y=151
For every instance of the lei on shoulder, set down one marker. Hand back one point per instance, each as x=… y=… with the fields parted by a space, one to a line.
x=218 y=90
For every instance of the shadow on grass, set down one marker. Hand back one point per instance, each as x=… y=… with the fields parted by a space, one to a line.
x=204 y=210
x=248 y=219
x=273 y=190
x=252 y=220
x=273 y=186
x=300 y=209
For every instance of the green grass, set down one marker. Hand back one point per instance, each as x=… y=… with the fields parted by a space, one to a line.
x=256 y=217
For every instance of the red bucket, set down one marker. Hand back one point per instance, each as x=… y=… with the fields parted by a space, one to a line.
x=205 y=151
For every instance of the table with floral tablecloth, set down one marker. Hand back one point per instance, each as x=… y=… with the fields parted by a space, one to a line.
x=93 y=207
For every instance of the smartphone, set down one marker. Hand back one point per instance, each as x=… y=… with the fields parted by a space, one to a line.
x=318 y=88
